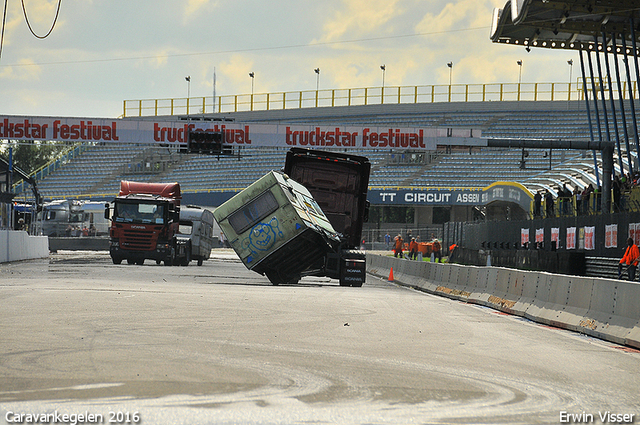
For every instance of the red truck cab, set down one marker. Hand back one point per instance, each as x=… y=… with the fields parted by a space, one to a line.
x=144 y=222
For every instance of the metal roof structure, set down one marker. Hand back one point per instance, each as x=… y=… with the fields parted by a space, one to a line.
x=568 y=24
x=600 y=26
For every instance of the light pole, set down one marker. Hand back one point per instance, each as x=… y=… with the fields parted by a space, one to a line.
x=520 y=73
x=384 y=70
x=450 y=65
x=570 y=63
x=519 y=62
x=317 y=71
x=188 y=79
x=252 y=75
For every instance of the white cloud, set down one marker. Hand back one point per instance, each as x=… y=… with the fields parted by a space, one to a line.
x=360 y=17
x=194 y=7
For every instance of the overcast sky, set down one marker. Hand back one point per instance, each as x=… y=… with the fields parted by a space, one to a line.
x=102 y=52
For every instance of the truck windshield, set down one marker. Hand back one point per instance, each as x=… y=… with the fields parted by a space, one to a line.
x=138 y=213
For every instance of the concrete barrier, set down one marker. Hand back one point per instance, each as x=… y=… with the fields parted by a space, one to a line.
x=626 y=312
x=500 y=297
x=606 y=309
x=16 y=245
x=540 y=295
x=596 y=323
x=578 y=303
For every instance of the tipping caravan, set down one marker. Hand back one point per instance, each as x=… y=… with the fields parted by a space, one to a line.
x=339 y=183
x=277 y=228
x=196 y=235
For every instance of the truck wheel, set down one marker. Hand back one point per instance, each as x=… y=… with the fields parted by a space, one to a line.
x=140 y=262
x=116 y=260
x=200 y=262
x=357 y=285
x=187 y=257
x=130 y=261
x=158 y=262
x=171 y=259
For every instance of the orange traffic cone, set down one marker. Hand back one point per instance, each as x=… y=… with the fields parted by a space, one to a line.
x=391 y=275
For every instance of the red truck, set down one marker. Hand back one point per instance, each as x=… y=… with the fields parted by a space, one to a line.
x=144 y=222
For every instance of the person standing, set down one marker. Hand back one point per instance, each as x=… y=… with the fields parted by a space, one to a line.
x=537 y=204
x=387 y=240
x=630 y=259
x=413 y=249
x=437 y=248
x=548 y=203
x=397 y=248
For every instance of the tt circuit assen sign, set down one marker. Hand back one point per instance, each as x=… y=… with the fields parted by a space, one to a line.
x=240 y=134
x=431 y=197
x=498 y=192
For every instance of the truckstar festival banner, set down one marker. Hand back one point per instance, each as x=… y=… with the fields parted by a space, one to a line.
x=241 y=134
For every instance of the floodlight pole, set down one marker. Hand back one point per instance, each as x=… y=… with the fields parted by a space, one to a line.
x=621 y=98
x=586 y=99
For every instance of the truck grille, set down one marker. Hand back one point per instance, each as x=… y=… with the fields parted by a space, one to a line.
x=137 y=240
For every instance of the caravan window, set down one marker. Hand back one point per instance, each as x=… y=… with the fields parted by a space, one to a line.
x=186 y=227
x=251 y=214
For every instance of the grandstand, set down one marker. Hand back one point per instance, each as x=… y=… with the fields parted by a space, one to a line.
x=96 y=172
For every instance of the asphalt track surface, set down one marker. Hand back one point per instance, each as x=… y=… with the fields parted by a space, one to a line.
x=218 y=344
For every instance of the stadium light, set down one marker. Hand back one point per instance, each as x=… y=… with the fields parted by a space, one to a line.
x=450 y=65
x=188 y=80
x=317 y=71
x=384 y=69
x=252 y=75
x=570 y=63
x=519 y=62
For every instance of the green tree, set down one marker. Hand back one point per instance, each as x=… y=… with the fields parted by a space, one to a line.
x=29 y=156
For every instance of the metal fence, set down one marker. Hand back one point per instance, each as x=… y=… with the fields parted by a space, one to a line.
x=493 y=92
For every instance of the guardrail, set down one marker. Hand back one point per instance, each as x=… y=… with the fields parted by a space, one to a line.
x=602 y=308
x=493 y=92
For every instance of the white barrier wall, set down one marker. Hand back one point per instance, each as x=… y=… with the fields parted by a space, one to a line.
x=16 y=245
x=604 y=308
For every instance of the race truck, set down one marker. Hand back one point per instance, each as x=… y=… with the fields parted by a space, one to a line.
x=339 y=184
x=278 y=228
x=144 y=222
x=195 y=238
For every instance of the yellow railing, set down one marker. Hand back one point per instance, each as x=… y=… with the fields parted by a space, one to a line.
x=363 y=96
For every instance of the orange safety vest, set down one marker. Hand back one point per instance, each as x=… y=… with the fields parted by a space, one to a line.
x=631 y=255
x=436 y=245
